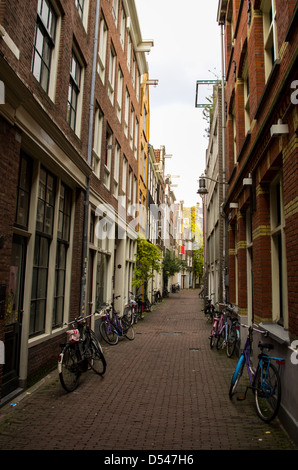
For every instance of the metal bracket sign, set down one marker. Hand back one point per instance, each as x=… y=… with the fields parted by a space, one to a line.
x=204 y=89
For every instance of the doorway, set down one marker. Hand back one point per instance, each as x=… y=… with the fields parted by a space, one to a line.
x=13 y=317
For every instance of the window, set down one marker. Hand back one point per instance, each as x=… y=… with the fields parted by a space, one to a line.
x=44 y=43
x=124 y=181
x=129 y=51
x=108 y=158
x=39 y=285
x=116 y=169
x=131 y=131
x=122 y=27
x=130 y=189
x=102 y=51
x=136 y=142
x=119 y=94
x=98 y=129
x=43 y=237
x=74 y=91
x=245 y=77
x=145 y=121
x=249 y=264
x=80 y=7
x=63 y=236
x=45 y=203
x=23 y=193
x=83 y=8
x=126 y=113
x=138 y=79
x=269 y=32
x=115 y=10
x=112 y=74
x=278 y=254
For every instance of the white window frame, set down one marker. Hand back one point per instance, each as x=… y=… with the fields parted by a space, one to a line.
x=269 y=34
x=116 y=169
x=112 y=74
x=102 y=49
x=278 y=254
x=97 y=146
x=119 y=94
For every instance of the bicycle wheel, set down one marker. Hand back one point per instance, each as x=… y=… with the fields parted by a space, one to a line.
x=237 y=375
x=232 y=341
x=68 y=368
x=213 y=335
x=108 y=333
x=127 y=328
x=97 y=361
x=267 y=392
x=220 y=339
x=129 y=314
x=135 y=315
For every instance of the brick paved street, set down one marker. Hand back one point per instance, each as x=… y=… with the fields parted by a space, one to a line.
x=166 y=390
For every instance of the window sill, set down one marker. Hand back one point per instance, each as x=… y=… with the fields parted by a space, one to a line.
x=276 y=332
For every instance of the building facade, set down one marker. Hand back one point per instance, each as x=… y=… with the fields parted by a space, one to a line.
x=261 y=170
x=70 y=75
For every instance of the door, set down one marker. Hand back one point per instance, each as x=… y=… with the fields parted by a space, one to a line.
x=13 y=319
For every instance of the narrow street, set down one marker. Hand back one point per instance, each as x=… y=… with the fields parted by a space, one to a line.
x=166 y=390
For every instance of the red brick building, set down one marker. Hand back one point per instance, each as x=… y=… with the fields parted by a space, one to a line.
x=261 y=170
x=70 y=107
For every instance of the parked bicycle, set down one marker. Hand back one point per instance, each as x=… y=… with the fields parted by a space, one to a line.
x=81 y=352
x=157 y=296
x=113 y=325
x=209 y=309
x=134 y=307
x=228 y=330
x=264 y=381
x=143 y=305
x=215 y=327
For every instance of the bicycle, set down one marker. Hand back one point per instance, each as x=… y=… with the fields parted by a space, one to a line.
x=264 y=381
x=143 y=305
x=228 y=332
x=113 y=326
x=215 y=326
x=81 y=352
x=157 y=296
x=209 y=309
x=134 y=308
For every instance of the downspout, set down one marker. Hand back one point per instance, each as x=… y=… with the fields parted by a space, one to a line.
x=223 y=125
x=89 y=159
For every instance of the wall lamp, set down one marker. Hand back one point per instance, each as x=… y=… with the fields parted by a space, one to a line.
x=202 y=184
x=279 y=129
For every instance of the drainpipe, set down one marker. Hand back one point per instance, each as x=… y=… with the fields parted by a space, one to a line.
x=223 y=126
x=89 y=157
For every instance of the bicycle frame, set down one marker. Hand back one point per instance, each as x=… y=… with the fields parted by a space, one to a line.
x=116 y=325
x=264 y=362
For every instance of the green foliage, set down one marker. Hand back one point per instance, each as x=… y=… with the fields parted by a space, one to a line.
x=172 y=265
x=198 y=263
x=148 y=260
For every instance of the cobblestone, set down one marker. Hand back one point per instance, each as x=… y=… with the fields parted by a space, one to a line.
x=165 y=390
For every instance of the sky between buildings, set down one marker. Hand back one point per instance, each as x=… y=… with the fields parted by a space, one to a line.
x=187 y=48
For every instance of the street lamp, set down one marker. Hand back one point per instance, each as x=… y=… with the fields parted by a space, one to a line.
x=202 y=184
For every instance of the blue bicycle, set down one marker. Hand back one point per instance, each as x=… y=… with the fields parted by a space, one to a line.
x=264 y=381
x=113 y=325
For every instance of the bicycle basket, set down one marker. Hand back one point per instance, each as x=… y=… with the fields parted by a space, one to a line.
x=73 y=336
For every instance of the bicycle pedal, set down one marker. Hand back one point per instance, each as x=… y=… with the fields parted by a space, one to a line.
x=240 y=398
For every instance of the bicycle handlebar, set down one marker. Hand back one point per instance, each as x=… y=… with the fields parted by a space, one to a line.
x=265 y=333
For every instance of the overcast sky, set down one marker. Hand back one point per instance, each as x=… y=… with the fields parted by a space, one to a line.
x=187 y=48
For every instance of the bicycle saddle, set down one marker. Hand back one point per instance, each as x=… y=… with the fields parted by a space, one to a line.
x=265 y=345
